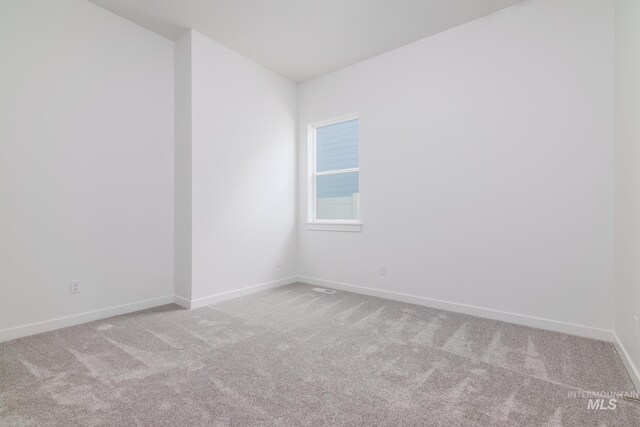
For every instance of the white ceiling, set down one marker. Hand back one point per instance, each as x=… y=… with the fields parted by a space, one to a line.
x=303 y=39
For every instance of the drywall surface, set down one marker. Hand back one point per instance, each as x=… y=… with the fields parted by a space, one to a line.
x=486 y=166
x=627 y=152
x=86 y=161
x=243 y=172
x=182 y=168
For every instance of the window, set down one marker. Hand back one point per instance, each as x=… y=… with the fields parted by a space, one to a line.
x=335 y=166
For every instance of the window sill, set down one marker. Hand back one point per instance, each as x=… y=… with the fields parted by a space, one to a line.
x=355 y=227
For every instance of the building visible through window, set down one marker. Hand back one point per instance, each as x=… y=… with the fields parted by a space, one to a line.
x=336 y=175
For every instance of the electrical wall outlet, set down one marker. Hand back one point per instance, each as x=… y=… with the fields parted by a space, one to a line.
x=636 y=332
x=277 y=263
x=383 y=270
x=74 y=287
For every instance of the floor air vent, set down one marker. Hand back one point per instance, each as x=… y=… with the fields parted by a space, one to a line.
x=324 y=291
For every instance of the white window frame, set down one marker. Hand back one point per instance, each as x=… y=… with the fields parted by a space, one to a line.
x=327 y=224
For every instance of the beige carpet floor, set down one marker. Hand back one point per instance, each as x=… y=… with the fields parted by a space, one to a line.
x=292 y=356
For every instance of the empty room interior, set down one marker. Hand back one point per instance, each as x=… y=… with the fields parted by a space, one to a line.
x=320 y=213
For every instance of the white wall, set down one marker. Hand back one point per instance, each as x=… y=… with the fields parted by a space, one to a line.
x=627 y=150
x=86 y=160
x=182 y=168
x=486 y=166
x=243 y=142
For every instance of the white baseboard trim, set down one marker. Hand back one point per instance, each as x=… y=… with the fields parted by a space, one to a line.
x=182 y=301
x=634 y=373
x=224 y=296
x=519 y=319
x=76 y=319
